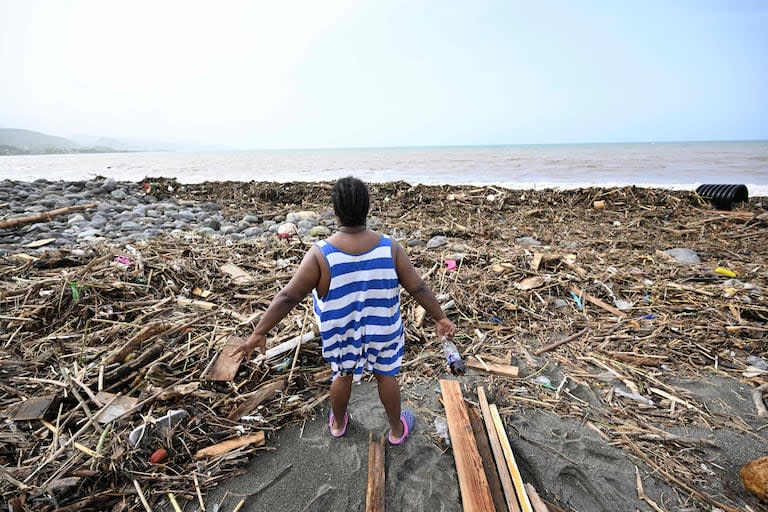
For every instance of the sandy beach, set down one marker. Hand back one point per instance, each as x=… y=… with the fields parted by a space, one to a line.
x=651 y=405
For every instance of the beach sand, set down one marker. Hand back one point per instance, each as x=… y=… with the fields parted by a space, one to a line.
x=569 y=463
x=663 y=394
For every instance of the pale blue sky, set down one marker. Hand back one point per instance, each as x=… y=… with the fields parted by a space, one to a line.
x=342 y=73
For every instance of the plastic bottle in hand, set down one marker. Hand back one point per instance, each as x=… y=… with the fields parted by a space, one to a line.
x=455 y=362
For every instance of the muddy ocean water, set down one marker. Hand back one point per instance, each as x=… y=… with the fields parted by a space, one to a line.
x=674 y=165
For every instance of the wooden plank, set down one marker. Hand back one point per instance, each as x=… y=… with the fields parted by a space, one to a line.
x=503 y=370
x=226 y=365
x=374 y=496
x=517 y=479
x=498 y=453
x=229 y=445
x=484 y=447
x=598 y=302
x=475 y=494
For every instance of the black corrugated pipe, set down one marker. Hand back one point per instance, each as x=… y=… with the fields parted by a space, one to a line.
x=722 y=197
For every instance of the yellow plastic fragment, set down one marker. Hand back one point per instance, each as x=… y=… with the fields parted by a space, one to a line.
x=726 y=272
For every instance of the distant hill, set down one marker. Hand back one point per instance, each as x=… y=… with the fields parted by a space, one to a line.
x=27 y=140
x=14 y=141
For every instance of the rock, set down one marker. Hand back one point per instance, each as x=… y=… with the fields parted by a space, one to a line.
x=130 y=226
x=415 y=242
x=228 y=229
x=437 y=241
x=251 y=219
x=118 y=194
x=252 y=232
x=212 y=223
x=305 y=224
x=682 y=255
x=528 y=240
x=295 y=217
x=754 y=477
x=90 y=232
x=320 y=231
x=287 y=228
x=184 y=215
x=108 y=186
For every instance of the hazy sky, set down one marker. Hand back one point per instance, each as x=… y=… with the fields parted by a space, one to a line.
x=339 y=73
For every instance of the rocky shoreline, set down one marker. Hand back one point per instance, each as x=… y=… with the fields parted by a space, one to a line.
x=131 y=212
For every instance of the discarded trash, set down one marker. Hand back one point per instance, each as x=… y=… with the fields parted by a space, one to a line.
x=169 y=420
x=577 y=299
x=633 y=396
x=450 y=265
x=441 y=429
x=650 y=316
x=726 y=272
x=723 y=196
x=158 y=456
x=453 y=357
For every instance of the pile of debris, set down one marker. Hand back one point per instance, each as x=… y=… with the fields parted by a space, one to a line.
x=118 y=388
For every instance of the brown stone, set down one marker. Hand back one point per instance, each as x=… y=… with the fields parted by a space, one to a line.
x=754 y=476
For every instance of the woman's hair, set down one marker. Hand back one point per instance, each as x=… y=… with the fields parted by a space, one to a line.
x=350 y=201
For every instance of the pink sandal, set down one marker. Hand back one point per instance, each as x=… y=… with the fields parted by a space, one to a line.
x=343 y=428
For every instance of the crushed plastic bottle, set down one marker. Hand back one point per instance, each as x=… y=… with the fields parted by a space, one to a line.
x=441 y=429
x=453 y=357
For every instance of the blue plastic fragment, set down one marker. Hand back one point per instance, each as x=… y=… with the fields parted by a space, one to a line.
x=578 y=300
x=649 y=317
x=495 y=320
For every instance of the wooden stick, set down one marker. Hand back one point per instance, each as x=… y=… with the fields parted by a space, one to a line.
x=598 y=302
x=374 y=496
x=538 y=505
x=475 y=494
x=229 y=445
x=44 y=216
x=517 y=479
x=757 y=398
x=556 y=344
x=498 y=453
x=141 y=496
x=148 y=332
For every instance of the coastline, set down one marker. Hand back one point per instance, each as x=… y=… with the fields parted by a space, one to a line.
x=689 y=331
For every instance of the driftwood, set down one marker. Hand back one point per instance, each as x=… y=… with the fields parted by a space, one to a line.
x=374 y=496
x=227 y=446
x=43 y=216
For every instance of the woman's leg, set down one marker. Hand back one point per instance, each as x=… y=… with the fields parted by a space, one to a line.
x=341 y=388
x=389 y=394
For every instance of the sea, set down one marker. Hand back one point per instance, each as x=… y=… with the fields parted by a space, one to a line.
x=671 y=165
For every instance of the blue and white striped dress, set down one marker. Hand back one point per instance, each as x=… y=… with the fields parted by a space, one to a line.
x=359 y=318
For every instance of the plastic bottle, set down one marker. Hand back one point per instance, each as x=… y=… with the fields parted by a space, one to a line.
x=452 y=356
